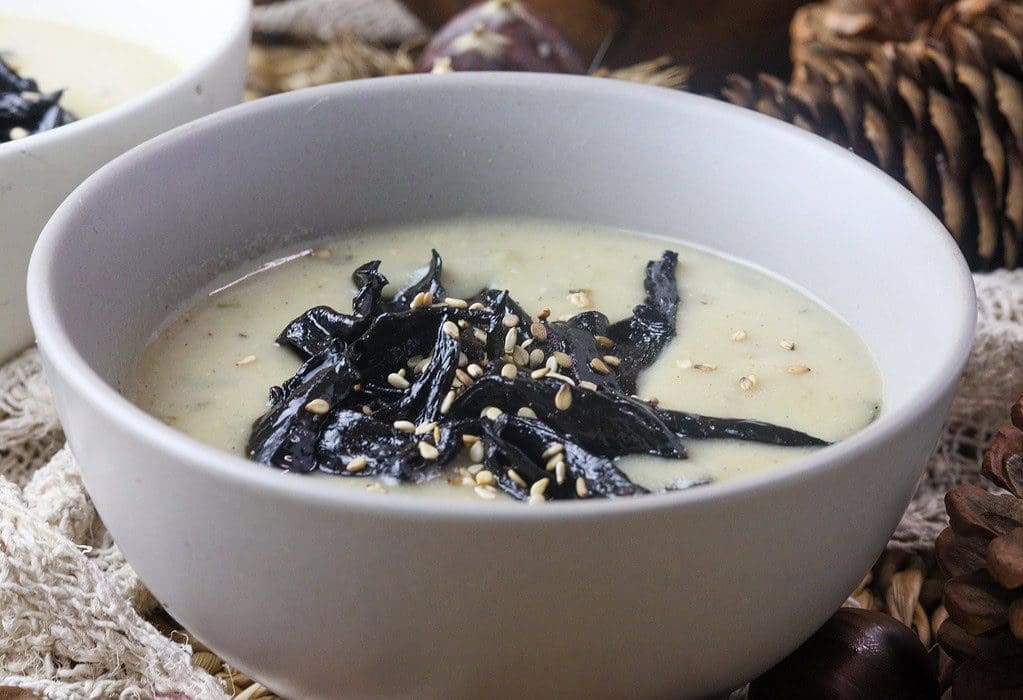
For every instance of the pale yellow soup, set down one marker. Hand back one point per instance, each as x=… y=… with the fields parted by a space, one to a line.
x=207 y=373
x=95 y=70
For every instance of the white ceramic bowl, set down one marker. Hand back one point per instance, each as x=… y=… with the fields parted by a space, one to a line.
x=208 y=40
x=324 y=592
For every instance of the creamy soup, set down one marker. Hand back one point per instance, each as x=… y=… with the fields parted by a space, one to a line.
x=95 y=70
x=748 y=345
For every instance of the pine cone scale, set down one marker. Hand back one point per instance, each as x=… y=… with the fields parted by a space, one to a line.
x=1005 y=559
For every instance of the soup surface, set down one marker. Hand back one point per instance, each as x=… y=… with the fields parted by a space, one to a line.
x=748 y=344
x=95 y=70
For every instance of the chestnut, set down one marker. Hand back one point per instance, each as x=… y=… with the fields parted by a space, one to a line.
x=857 y=654
x=499 y=35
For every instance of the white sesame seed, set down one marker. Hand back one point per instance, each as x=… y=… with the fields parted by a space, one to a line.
x=653 y=400
x=613 y=360
x=603 y=341
x=421 y=300
x=480 y=334
x=598 y=366
x=402 y=372
x=552 y=463
x=561 y=378
x=581 y=489
x=322 y=253
x=18 y=132
x=555 y=448
x=376 y=487
x=510 y=339
x=455 y=302
x=705 y=367
x=367 y=410
x=514 y=476
x=467 y=481
x=463 y=324
x=464 y=377
x=428 y=451
x=463 y=360
x=520 y=356
x=493 y=412
x=476 y=452
x=787 y=344
x=475 y=306
x=563 y=399
x=748 y=383
x=539 y=487
x=587 y=385
x=526 y=343
x=318 y=406
x=509 y=371
x=486 y=478
x=356 y=464
x=738 y=336
x=797 y=369
x=451 y=329
x=581 y=299
x=526 y=412
x=536 y=358
x=474 y=469
x=538 y=331
x=405 y=426
x=510 y=321
x=536 y=500
x=424 y=428
x=470 y=439
x=247 y=360
x=683 y=364
x=488 y=493
x=397 y=381
x=562 y=359
x=449 y=399
x=474 y=371
x=422 y=365
x=414 y=360
x=552 y=364
x=560 y=471
x=539 y=373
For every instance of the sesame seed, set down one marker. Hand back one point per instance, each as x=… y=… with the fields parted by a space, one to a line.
x=376 y=487
x=464 y=377
x=526 y=343
x=357 y=387
x=422 y=365
x=510 y=321
x=748 y=383
x=539 y=373
x=563 y=359
x=357 y=464
x=486 y=478
x=580 y=299
x=552 y=364
x=510 y=339
x=563 y=399
x=705 y=367
x=555 y=448
x=653 y=400
x=421 y=300
x=474 y=469
x=455 y=302
x=18 y=132
x=463 y=324
x=414 y=360
x=474 y=371
x=514 y=476
x=451 y=329
x=538 y=331
x=402 y=372
x=613 y=360
x=538 y=488
x=318 y=406
x=480 y=335
x=603 y=341
x=597 y=365
x=449 y=399
x=560 y=471
x=738 y=336
x=587 y=385
x=428 y=451
x=797 y=369
x=424 y=428
x=561 y=378
x=536 y=358
x=322 y=253
x=683 y=364
x=476 y=452
x=488 y=493
x=544 y=313
x=367 y=410
x=526 y=412
x=247 y=360
x=397 y=381
x=581 y=489
x=470 y=439
x=520 y=356
x=405 y=426
x=536 y=500
x=476 y=306
x=787 y=344
x=492 y=412
x=509 y=371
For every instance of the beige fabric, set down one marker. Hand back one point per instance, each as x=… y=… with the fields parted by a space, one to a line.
x=71 y=609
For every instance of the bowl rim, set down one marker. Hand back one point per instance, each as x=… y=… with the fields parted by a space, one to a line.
x=76 y=371
x=238 y=25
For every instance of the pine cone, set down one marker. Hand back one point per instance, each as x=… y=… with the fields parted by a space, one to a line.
x=981 y=553
x=929 y=90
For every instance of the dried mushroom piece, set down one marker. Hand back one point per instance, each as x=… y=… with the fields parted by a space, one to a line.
x=403 y=385
x=24 y=110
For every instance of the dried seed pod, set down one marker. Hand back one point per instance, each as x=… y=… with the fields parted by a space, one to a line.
x=856 y=654
x=499 y=35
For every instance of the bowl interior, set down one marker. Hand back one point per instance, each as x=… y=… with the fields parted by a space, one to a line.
x=139 y=237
